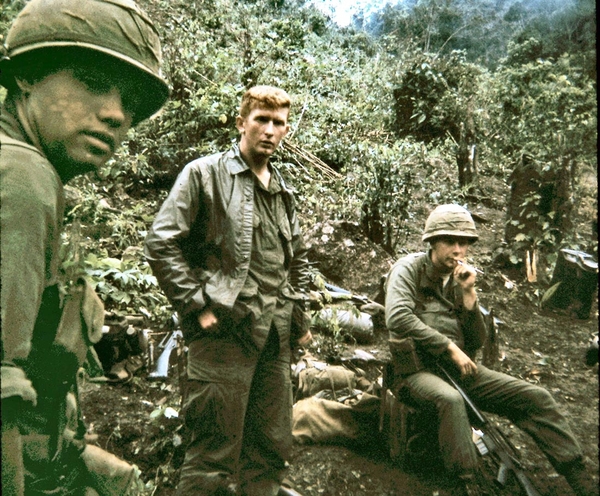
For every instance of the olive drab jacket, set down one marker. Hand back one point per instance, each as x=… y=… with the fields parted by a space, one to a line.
x=199 y=244
x=31 y=213
x=417 y=307
x=45 y=333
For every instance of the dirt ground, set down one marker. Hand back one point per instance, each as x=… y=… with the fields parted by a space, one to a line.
x=136 y=420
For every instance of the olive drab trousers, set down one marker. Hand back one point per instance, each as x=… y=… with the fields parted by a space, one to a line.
x=528 y=406
x=238 y=420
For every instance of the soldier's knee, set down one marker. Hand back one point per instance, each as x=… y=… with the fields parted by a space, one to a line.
x=450 y=400
x=540 y=399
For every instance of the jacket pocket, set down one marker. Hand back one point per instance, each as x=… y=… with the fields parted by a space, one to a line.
x=285 y=232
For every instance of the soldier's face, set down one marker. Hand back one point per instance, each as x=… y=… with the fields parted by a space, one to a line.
x=262 y=131
x=447 y=250
x=79 y=118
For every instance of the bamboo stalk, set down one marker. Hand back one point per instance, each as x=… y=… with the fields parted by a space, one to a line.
x=305 y=158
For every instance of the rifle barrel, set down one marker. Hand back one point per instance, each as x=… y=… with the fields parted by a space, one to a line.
x=507 y=463
x=480 y=418
x=336 y=289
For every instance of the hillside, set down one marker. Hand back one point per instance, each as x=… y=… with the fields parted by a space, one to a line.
x=544 y=348
x=491 y=105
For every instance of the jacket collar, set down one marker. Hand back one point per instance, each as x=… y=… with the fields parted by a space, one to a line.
x=236 y=164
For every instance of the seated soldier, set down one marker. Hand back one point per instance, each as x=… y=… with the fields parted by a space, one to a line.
x=431 y=298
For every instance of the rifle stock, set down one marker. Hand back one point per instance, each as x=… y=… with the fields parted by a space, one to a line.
x=495 y=442
x=161 y=369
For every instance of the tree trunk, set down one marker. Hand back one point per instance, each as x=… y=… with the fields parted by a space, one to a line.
x=539 y=207
x=466 y=157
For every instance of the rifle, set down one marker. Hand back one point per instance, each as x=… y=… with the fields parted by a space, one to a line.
x=287 y=491
x=169 y=343
x=363 y=303
x=341 y=293
x=495 y=443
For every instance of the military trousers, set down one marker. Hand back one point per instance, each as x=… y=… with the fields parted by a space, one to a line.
x=528 y=406
x=237 y=416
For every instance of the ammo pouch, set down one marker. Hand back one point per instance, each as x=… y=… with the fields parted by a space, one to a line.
x=405 y=359
x=53 y=365
x=81 y=322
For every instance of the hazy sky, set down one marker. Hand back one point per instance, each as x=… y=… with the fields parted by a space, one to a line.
x=341 y=10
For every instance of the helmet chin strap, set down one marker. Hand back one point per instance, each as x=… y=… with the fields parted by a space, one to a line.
x=21 y=108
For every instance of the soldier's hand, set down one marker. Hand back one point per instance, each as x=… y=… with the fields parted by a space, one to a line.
x=207 y=320
x=463 y=363
x=304 y=340
x=465 y=275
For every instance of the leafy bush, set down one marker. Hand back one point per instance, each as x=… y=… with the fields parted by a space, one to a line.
x=546 y=117
x=126 y=284
x=381 y=186
x=436 y=96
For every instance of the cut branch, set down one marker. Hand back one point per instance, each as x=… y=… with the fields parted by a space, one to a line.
x=305 y=158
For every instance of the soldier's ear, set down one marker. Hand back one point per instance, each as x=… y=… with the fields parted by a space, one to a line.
x=240 y=124
x=24 y=86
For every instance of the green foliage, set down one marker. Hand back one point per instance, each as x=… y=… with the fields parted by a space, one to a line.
x=482 y=28
x=126 y=284
x=546 y=115
x=10 y=8
x=385 y=111
x=332 y=338
x=381 y=185
x=441 y=96
x=545 y=109
x=104 y=245
x=559 y=28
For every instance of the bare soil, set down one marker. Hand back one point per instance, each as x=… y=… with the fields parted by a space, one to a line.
x=132 y=420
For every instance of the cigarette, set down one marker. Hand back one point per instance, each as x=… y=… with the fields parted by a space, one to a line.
x=479 y=271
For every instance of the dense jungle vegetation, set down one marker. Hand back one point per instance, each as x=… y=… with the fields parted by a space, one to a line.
x=493 y=90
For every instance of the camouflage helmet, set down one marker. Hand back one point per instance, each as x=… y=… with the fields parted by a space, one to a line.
x=450 y=220
x=117 y=28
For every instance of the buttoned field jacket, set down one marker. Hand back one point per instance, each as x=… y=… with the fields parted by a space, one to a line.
x=416 y=307
x=200 y=243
